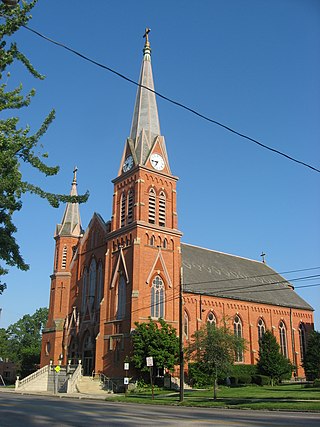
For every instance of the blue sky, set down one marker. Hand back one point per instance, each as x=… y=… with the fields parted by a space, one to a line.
x=253 y=65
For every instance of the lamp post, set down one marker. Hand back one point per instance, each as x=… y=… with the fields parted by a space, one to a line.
x=181 y=340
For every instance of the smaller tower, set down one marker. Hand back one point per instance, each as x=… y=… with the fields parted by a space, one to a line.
x=67 y=237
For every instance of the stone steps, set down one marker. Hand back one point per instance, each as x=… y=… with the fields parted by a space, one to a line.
x=90 y=386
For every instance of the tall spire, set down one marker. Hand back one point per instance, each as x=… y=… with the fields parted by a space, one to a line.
x=71 y=222
x=145 y=124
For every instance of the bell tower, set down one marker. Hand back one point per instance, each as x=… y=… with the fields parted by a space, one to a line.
x=144 y=241
x=67 y=236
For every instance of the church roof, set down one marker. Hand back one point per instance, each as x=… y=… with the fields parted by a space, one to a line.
x=222 y=275
x=71 y=222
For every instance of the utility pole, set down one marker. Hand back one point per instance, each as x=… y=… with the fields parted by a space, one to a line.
x=181 y=339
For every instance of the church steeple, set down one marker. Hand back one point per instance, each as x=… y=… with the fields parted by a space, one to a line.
x=145 y=116
x=145 y=128
x=71 y=222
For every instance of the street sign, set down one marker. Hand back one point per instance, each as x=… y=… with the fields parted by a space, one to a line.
x=126 y=380
x=149 y=361
x=126 y=366
x=57 y=369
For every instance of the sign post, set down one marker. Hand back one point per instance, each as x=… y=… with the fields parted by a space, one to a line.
x=55 y=378
x=126 y=378
x=150 y=364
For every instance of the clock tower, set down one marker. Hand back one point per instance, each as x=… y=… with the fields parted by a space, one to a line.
x=142 y=266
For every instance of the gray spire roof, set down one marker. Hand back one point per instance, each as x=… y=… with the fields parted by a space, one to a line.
x=145 y=123
x=71 y=222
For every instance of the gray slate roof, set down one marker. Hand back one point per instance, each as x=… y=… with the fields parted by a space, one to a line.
x=228 y=276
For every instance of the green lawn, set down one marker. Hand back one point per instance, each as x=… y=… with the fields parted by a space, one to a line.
x=286 y=397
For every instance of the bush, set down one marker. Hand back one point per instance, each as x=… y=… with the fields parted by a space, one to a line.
x=198 y=378
x=316 y=383
x=261 y=380
x=239 y=370
x=242 y=374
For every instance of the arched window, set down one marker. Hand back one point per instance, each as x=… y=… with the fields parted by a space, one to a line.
x=64 y=257
x=165 y=243
x=302 y=340
x=93 y=239
x=162 y=209
x=92 y=282
x=121 y=311
x=152 y=206
x=123 y=210
x=100 y=284
x=152 y=241
x=130 y=206
x=157 y=298
x=84 y=290
x=186 y=325
x=211 y=318
x=261 y=329
x=237 y=328
x=57 y=259
x=283 y=339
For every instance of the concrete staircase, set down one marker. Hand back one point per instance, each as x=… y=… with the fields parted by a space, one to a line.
x=89 y=385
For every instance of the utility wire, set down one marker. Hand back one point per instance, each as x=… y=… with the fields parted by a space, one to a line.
x=278 y=282
x=179 y=104
x=256 y=277
x=177 y=297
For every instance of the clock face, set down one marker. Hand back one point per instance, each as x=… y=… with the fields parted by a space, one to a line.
x=128 y=163
x=157 y=161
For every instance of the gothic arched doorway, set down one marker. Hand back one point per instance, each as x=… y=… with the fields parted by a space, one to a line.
x=88 y=351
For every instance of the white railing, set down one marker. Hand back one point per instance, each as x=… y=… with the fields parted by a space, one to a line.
x=72 y=382
x=32 y=377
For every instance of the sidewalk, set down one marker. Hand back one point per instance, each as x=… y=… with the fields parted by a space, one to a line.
x=97 y=396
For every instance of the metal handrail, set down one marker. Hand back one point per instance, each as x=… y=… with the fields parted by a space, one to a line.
x=105 y=381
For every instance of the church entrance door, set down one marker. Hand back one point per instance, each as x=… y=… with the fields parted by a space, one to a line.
x=88 y=355
x=88 y=363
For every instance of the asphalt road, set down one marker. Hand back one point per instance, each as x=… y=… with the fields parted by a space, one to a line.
x=35 y=411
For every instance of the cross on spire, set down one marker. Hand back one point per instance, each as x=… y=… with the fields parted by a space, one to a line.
x=146 y=36
x=75 y=174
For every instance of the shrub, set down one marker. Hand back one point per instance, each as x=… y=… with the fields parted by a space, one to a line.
x=198 y=378
x=239 y=370
x=244 y=379
x=261 y=380
x=316 y=383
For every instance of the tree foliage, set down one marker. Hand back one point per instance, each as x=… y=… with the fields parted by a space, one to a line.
x=214 y=349
x=311 y=360
x=18 y=144
x=21 y=342
x=156 y=339
x=271 y=361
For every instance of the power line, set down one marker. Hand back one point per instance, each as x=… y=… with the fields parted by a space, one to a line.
x=172 y=101
x=282 y=289
x=278 y=282
x=256 y=277
x=195 y=292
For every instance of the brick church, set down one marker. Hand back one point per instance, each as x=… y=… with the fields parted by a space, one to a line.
x=129 y=268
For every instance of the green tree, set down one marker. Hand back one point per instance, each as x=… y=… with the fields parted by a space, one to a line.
x=18 y=144
x=156 y=339
x=24 y=341
x=311 y=360
x=271 y=361
x=214 y=349
x=4 y=347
